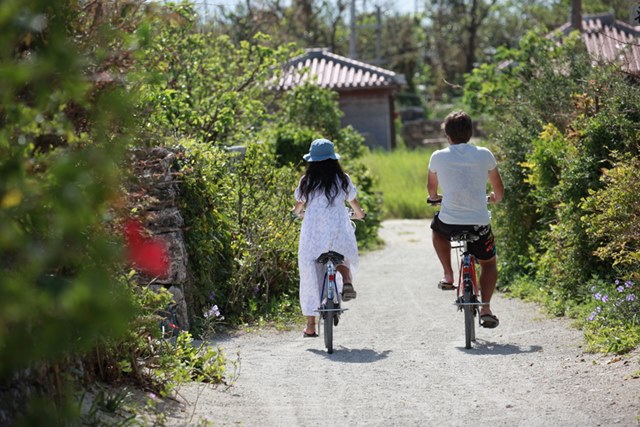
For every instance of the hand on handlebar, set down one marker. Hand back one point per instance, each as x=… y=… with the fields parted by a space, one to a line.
x=436 y=201
x=361 y=215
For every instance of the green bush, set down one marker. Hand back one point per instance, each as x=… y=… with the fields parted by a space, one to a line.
x=146 y=357
x=613 y=324
x=61 y=144
x=613 y=215
x=197 y=85
x=241 y=240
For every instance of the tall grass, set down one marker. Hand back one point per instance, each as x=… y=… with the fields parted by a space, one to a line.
x=402 y=177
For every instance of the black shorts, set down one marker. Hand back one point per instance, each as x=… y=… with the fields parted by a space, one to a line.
x=484 y=248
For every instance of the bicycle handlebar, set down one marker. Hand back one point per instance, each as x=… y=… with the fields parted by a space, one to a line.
x=350 y=211
x=436 y=202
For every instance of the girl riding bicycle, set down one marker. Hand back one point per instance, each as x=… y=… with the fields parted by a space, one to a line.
x=326 y=226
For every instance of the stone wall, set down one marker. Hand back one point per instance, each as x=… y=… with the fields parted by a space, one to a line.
x=153 y=196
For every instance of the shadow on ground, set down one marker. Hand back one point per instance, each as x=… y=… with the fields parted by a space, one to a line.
x=348 y=355
x=482 y=347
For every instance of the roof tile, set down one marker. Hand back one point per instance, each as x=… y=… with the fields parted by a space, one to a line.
x=610 y=40
x=336 y=72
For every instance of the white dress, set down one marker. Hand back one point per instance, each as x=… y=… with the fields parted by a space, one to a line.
x=324 y=228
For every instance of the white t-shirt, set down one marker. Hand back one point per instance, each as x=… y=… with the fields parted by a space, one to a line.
x=462 y=171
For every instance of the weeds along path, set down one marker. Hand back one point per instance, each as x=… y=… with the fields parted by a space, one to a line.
x=400 y=360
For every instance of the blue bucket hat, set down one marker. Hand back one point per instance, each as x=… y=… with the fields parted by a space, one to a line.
x=321 y=149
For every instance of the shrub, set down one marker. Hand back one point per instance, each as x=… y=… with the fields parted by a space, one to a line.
x=66 y=119
x=241 y=240
x=612 y=216
x=201 y=86
x=612 y=325
x=61 y=143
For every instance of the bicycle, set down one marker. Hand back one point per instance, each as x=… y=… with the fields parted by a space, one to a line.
x=169 y=321
x=330 y=299
x=468 y=294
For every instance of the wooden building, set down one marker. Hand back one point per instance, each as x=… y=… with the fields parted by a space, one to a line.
x=365 y=92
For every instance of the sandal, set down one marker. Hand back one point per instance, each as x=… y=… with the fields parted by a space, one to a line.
x=446 y=286
x=489 y=321
x=307 y=335
x=348 y=293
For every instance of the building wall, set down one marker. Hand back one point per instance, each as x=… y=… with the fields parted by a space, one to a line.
x=371 y=115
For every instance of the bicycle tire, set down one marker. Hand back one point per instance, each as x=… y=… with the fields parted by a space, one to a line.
x=328 y=326
x=469 y=325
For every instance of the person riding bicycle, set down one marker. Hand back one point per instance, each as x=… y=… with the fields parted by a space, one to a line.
x=462 y=171
x=326 y=226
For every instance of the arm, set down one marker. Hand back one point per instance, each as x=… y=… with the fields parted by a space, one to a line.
x=358 y=213
x=432 y=186
x=496 y=185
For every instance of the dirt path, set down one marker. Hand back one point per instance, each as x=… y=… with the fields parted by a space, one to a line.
x=400 y=360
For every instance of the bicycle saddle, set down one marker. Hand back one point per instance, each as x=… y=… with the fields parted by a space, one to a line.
x=332 y=256
x=465 y=236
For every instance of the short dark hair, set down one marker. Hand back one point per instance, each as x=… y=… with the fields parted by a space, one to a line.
x=457 y=125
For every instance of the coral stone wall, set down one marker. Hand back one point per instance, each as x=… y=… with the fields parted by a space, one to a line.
x=153 y=198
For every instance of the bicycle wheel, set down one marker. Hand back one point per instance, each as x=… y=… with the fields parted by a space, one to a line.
x=328 y=326
x=469 y=325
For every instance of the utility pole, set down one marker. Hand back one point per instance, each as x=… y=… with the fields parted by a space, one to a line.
x=576 y=15
x=352 y=38
x=378 y=35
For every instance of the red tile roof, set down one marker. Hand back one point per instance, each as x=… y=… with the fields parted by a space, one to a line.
x=336 y=72
x=611 y=41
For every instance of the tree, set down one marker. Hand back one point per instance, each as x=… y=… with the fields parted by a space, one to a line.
x=204 y=86
x=308 y=23
x=453 y=30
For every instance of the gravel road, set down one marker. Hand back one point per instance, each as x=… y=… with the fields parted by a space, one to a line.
x=400 y=360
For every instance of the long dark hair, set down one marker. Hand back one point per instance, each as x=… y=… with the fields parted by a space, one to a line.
x=326 y=176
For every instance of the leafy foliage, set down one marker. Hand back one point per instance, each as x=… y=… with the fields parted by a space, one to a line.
x=612 y=325
x=613 y=216
x=241 y=239
x=204 y=87
x=145 y=357
x=61 y=142
x=66 y=120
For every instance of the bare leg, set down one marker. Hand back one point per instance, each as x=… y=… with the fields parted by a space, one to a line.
x=488 y=279
x=345 y=273
x=311 y=325
x=348 y=292
x=443 y=248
